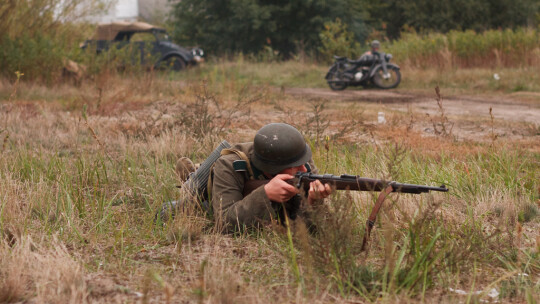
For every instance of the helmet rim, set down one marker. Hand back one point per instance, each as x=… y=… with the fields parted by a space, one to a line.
x=278 y=146
x=274 y=166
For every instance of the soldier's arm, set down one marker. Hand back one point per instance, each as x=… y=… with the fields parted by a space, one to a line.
x=228 y=202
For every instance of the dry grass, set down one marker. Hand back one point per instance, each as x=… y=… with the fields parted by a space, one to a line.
x=77 y=218
x=43 y=272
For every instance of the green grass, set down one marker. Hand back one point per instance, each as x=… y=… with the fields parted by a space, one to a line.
x=91 y=201
x=61 y=188
x=294 y=74
x=279 y=74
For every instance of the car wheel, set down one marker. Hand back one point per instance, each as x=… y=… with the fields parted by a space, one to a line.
x=173 y=63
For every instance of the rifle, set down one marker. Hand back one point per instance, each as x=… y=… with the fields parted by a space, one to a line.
x=302 y=181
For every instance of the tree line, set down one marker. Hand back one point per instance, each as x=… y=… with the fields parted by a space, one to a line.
x=289 y=27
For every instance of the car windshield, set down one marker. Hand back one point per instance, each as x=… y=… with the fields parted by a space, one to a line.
x=162 y=36
x=142 y=36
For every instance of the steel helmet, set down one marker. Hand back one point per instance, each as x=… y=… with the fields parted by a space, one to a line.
x=375 y=44
x=278 y=146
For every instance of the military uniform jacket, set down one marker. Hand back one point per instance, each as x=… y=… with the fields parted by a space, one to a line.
x=228 y=202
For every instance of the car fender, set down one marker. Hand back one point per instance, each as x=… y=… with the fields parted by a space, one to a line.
x=169 y=54
x=379 y=66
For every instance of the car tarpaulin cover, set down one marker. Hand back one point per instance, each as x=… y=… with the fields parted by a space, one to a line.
x=108 y=31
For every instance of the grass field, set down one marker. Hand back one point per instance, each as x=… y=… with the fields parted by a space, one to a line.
x=311 y=75
x=84 y=168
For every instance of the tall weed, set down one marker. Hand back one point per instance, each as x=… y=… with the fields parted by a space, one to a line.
x=466 y=49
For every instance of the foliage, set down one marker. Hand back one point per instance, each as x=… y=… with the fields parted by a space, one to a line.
x=290 y=27
x=249 y=26
x=337 y=40
x=126 y=58
x=500 y=48
x=33 y=55
x=36 y=35
x=442 y=16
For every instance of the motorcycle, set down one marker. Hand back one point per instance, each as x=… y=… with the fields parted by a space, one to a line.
x=368 y=70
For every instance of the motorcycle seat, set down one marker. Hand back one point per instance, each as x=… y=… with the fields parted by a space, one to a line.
x=339 y=57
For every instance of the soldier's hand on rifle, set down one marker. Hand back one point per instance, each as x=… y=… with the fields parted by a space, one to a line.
x=318 y=191
x=278 y=190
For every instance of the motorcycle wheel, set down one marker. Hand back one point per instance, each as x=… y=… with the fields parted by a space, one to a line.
x=390 y=83
x=334 y=80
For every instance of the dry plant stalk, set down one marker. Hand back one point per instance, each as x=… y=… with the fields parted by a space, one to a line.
x=16 y=85
x=317 y=124
x=207 y=114
x=94 y=135
x=410 y=125
x=519 y=234
x=4 y=142
x=394 y=158
x=442 y=126
x=492 y=134
x=13 y=93
x=538 y=243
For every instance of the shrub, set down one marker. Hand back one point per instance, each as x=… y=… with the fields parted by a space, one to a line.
x=337 y=40
x=37 y=56
x=35 y=36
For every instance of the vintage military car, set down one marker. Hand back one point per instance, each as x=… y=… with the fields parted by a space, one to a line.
x=152 y=41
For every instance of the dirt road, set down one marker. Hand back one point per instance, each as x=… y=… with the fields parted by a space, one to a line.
x=524 y=107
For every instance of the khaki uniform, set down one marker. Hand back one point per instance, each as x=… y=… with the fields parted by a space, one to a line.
x=228 y=202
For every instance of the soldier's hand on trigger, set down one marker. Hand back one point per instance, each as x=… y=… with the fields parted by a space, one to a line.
x=318 y=191
x=278 y=190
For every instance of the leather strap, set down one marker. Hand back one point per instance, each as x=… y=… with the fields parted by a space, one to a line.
x=243 y=156
x=373 y=216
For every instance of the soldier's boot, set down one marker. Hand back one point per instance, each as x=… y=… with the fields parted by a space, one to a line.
x=184 y=167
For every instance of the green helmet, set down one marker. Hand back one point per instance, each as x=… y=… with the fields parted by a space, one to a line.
x=278 y=146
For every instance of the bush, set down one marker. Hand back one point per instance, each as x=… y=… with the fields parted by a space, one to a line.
x=36 y=36
x=337 y=40
x=38 y=57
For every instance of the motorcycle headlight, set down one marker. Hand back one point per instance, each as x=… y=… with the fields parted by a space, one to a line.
x=388 y=57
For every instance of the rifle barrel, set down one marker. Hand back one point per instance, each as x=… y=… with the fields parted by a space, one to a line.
x=353 y=182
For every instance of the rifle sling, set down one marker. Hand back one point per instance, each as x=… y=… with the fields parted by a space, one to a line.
x=243 y=157
x=227 y=151
x=373 y=216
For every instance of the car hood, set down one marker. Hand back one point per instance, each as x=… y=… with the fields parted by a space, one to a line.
x=175 y=47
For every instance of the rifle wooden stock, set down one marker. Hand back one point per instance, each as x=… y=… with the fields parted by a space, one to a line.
x=347 y=182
